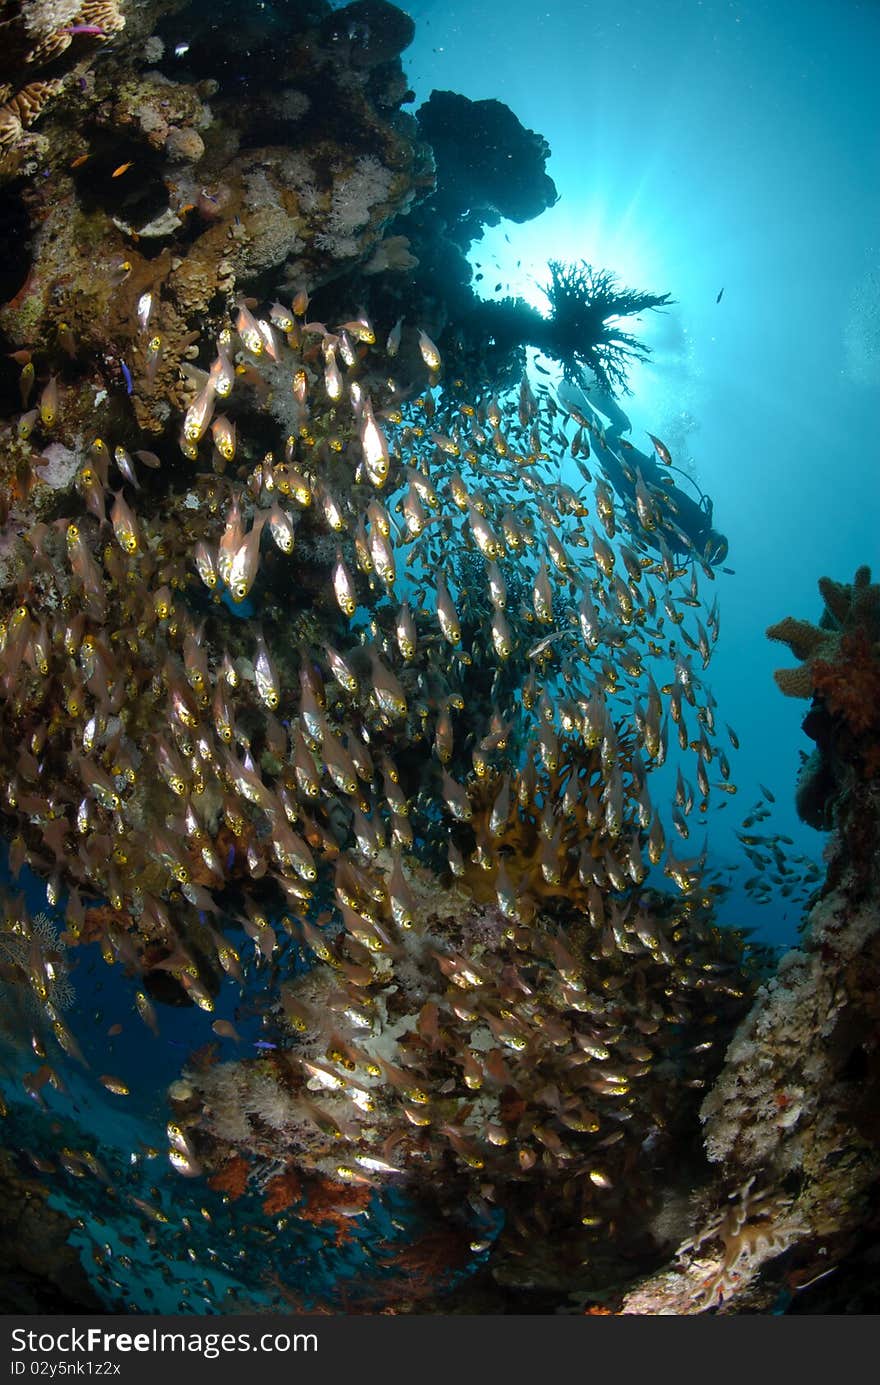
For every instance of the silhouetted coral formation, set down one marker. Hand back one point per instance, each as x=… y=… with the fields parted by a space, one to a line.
x=489 y=166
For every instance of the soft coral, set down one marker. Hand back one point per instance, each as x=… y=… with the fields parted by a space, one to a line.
x=850 y=684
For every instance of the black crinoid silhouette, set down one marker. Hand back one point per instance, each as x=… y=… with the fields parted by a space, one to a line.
x=584 y=332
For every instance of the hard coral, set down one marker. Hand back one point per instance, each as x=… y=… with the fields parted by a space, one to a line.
x=34 y=35
x=489 y=166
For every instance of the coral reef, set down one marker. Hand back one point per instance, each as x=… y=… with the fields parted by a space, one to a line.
x=324 y=709
x=795 y=1103
x=35 y=34
x=173 y=187
x=182 y=188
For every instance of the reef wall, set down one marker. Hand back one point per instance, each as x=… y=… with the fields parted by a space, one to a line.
x=791 y=1120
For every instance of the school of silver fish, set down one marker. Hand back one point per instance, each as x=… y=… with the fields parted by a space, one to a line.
x=501 y=668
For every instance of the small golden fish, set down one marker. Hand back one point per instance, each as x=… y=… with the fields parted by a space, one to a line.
x=153 y=355
x=114 y=1085
x=26 y=383
x=123 y=168
x=49 y=403
x=125 y=526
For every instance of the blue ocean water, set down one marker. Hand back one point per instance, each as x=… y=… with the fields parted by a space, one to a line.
x=725 y=154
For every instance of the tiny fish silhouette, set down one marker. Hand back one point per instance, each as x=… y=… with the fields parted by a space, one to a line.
x=720 y=292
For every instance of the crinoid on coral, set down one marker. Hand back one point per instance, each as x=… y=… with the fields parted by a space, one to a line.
x=584 y=331
x=724 y=1256
x=756 y=1226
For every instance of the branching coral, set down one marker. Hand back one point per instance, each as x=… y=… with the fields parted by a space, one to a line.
x=329 y=1205
x=232 y=1178
x=281 y=1192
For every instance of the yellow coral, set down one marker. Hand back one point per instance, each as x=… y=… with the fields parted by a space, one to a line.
x=803 y=639
x=794 y=682
x=847 y=608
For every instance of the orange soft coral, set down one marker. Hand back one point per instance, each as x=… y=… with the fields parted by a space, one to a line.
x=232 y=1178
x=850 y=684
x=281 y=1192
x=429 y=1261
x=330 y=1204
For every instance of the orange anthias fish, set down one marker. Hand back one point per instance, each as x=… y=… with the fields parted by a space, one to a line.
x=123 y=168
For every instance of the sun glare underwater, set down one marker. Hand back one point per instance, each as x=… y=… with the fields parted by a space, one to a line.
x=439 y=657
